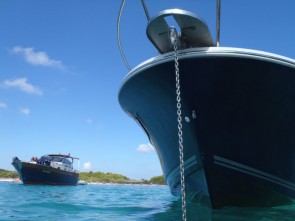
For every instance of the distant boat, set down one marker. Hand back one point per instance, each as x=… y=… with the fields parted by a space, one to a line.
x=234 y=117
x=51 y=169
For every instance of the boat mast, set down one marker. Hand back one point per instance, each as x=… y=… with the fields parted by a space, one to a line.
x=118 y=35
x=145 y=10
x=218 y=5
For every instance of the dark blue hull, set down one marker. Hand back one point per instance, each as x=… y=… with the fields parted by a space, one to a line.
x=239 y=149
x=40 y=174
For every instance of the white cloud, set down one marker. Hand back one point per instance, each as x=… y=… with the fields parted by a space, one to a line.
x=23 y=85
x=3 y=105
x=25 y=111
x=37 y=57
x=145 y=148
x=87 y=166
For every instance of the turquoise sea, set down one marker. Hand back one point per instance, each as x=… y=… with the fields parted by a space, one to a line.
x=115 y=202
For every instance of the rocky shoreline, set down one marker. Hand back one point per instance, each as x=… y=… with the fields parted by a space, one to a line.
x=9 y=180
x=94 y=183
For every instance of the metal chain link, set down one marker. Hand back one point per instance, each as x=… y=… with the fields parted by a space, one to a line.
x=174 y=41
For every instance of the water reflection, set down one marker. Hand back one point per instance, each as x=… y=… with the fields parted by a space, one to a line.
x=199 y=213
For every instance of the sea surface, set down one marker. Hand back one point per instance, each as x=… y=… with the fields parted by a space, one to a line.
x=115 y=202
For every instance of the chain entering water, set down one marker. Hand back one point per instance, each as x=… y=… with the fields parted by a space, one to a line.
x=174 y=41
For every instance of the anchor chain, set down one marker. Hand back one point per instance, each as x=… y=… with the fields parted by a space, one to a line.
x=173 y=36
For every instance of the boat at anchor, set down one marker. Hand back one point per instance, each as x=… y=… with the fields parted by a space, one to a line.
x=51 y=169
x=233 y=113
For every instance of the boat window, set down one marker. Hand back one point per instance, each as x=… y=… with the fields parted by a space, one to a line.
x=67 y=162
x=44 y=160
x=57 y=159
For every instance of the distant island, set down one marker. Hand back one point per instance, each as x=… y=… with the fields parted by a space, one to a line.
x=98 y=177
x=8 y=174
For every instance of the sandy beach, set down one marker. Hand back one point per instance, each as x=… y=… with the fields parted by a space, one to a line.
x=9 y=180
x=91 y=183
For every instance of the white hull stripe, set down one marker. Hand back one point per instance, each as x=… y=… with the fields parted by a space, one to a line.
x=252 y=171
x=188 y=164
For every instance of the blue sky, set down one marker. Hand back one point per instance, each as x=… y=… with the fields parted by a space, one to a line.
x=61 y=70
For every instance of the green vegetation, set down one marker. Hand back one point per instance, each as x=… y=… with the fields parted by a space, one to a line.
x=117 y=178
x=103 y=177
x=99 y=177
x=8 y=174
x=158 y=180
